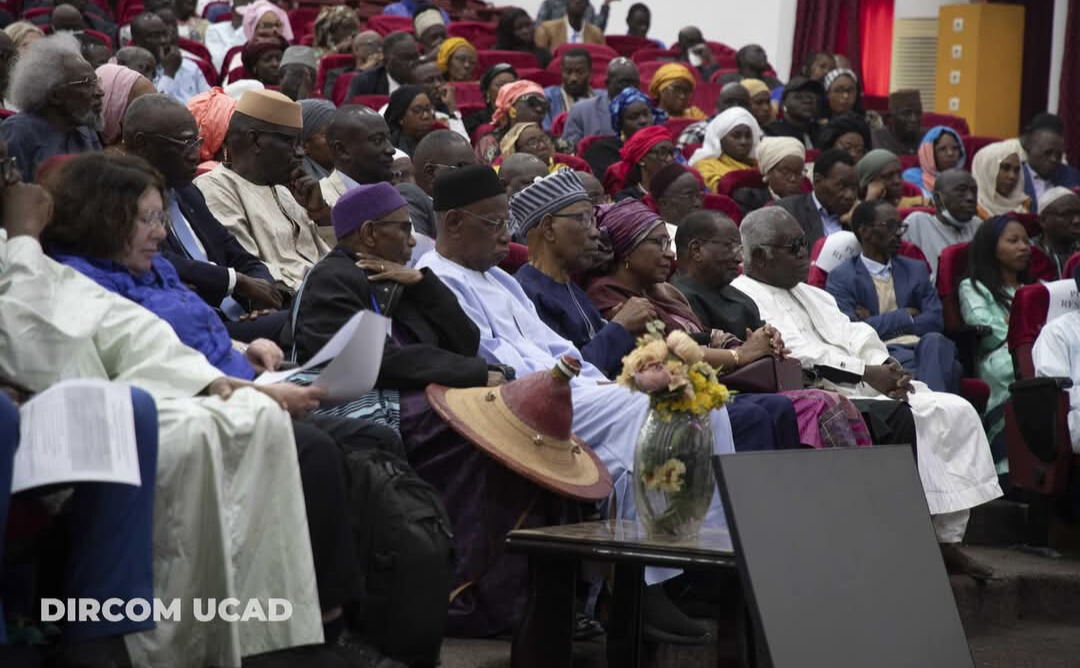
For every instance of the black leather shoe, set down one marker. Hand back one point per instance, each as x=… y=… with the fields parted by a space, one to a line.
x=662 y=621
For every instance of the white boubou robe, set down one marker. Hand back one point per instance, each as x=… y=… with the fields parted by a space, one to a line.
x=955 y=464
x=229 y=517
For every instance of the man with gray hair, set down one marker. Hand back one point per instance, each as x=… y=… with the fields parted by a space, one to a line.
x=592 y=116
x=61 y=103
x=953 y=454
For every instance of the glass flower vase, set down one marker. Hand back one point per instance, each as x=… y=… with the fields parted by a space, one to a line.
x=673 y=476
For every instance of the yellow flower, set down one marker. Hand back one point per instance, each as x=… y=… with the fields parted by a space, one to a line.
x=667 y=477
x=654 y=352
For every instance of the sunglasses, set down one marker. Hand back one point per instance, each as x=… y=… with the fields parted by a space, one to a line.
x=795 y=246
x=183 y=144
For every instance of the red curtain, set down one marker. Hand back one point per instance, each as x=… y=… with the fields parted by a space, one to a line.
x=1069 y=102
x=1038 y=34
x=875 y=37
x=826 y=25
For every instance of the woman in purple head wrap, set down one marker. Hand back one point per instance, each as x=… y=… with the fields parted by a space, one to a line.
x=644 y=258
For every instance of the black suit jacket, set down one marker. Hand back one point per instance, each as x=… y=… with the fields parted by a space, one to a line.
x=372 y=82
x=210 y=281
x=802 y=207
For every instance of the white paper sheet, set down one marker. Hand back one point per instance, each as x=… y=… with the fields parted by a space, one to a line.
x=355 y=355
x=77 y=431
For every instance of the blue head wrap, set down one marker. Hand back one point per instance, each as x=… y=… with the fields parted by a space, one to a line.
x=627 y=97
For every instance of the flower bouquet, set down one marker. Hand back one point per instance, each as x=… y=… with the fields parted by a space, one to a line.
x=673 y=480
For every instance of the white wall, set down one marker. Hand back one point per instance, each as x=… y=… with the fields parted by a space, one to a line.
x=770 y=23
x=921 y=9
x=1057 y=53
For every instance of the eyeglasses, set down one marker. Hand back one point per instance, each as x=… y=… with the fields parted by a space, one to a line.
x=535 y=143
x=695 y=195
x=663 y=242
x=290 y=138
x=538 y=102
x=586 y=219
x=892 y=226
x=788 y=174
x=90 y=80
x=9 y=171
x=154 y=219
x=795 y=246
x=735 y=248
x=661 y=153
x=422 y=110
x=183 y=144
x=496 y=225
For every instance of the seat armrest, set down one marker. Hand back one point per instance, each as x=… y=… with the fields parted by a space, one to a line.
x=1040 y=384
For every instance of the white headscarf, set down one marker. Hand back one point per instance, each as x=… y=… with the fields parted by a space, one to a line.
x=720 y=127
x=774 y=149
x=985 y=166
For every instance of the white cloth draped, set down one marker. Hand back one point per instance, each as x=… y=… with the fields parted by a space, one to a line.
x=606 y=416
x=229 y=515
x=955 y=465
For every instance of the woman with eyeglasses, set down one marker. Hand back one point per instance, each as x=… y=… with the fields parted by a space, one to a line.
x=842 y=94
x=410 y=117
x=517 y=102
x=530 y=138
x=643 y=261
x=675 y=192
x=998 y=265
x=631 y=111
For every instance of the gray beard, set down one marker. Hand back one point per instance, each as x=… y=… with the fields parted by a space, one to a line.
x=91 y=119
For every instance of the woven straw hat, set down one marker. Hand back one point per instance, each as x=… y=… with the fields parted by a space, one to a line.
x=525 y=425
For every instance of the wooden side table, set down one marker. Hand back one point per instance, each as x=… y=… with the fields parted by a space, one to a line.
x=545 y=637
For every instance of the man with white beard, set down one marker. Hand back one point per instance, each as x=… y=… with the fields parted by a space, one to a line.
x=60 y=100
x=954 y=461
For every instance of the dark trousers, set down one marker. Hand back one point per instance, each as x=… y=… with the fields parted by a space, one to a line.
x=932 y=361
x=270 y=326
x=763 y=422
x=321 y=443
x=110 y=525
x=890 y=422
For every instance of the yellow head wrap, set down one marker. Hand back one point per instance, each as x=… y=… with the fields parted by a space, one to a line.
x=667 y=75
x=508 y=145
x=754 y=86
x=447 y=49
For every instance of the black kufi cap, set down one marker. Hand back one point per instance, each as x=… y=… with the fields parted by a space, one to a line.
x=455 y=188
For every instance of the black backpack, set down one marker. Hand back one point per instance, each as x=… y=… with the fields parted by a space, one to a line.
x=404 y=557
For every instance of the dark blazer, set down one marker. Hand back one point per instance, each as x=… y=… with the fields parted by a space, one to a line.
x=785 y=129
x=851 y=285
x=1067 y=176
x=726 y=308
x=432 y=340
x=210 y=281
x=802 y=207
x=371 y=82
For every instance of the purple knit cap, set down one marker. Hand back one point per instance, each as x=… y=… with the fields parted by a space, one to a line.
x=627 y=223
x=364 y=203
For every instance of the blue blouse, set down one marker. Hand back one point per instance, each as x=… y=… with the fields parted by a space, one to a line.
x=161 y=292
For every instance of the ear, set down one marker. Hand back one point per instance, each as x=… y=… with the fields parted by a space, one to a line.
x=545 y=227
x=452 y=224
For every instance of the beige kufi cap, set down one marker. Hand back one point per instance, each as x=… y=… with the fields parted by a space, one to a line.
x=272 y=107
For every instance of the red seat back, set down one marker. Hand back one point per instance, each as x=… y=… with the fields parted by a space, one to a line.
x=236 y=74
x=573 y=162
x=689 y=149
x=597 y=51
x=627 y=45
x=952 y=268
x=585 y=143
x=910 y=190
x=485 y=58
x=329 y=62
x=302 y=19
x=229 y=55
x=649 y=54
x=209 y=73
x=972 y=144
x=375 y=102
x=341 y=87
x=878 y=103
x=1070 y=267
x=479 y=34
x=908 y=161
x=648 y=69
x=385 y=24
x=724 y=205
x=542 y=77
x=676 y=125
x=517 y=256
x=467 y=92
x=911 y=251
x=958 y=123
x=743 y=178
x=722 y=72
x=196 y=49
x=1026 y=319
x=705 y=96
x=558 y=125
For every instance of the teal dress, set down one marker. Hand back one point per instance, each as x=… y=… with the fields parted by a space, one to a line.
x=994 y=363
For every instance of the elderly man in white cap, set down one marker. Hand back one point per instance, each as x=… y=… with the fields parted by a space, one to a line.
x=264 y=197
x=1059 y=215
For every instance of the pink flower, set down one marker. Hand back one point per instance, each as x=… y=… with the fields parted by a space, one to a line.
x=684 y=347
x=652 y=378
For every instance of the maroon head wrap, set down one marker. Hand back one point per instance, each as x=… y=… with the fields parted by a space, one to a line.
x=632 y=153
x=627 y=223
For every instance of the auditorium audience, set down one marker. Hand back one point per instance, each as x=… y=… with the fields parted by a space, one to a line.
x=593 y=115
x=643 y=154
x=23 y=34
x=881 y=178
x=894 y=295
x=639 y=20
x=519 y=171
x=121 y=87
x=630 y=111
x=174 y=74
x=576 y=70
x=410 y=116
x=531 y=138
x=334 y=29
x=409 y=9
x=998 y=265
x=440 y=151
x=457 y=60
x=997 y=169
x=557 y=9
x=693 y=49
x=212 y=111
x=516 y=31
x=902 y=131
x=262 y=60
x=297 y=71
x=1059 y=219
x=953 y=222
x=400 y=56
x=761 y=104
x=731 y=95
x=670 y=90
x=190 y=25
x=1056 y=355
x=955 y=466
x=941 y=149
x=224 y=35
x=60 y=103
x=138 y=59
x=1044 y=167
x=317 y=115
x=847 y=132
x=751 y=62
x=517 y=102
x=731 y=143
x=263 y=197
x=800 y=104
x=825 y=209
x=361 y=145
x=817 y=64
x=570 y=28
x=781 y=161
x=430 y=30
x=842 y=95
